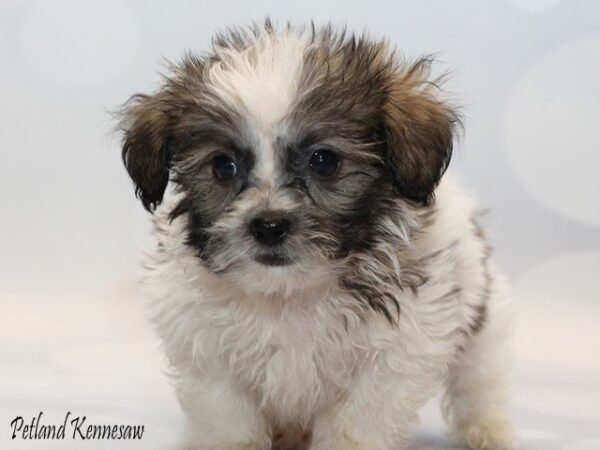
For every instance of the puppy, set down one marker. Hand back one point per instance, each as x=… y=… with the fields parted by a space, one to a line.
x=314 y=283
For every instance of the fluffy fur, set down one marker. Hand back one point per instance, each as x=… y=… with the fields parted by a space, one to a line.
x=382 y=290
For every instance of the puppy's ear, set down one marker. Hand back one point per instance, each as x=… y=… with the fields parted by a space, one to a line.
x=419 y=131
x=145 y=122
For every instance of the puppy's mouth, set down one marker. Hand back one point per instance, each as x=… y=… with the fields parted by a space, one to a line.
x=273 y=259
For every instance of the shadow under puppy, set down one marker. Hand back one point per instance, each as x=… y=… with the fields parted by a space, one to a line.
x=314 y=282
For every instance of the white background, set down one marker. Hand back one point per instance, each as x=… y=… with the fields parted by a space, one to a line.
x=72 y=333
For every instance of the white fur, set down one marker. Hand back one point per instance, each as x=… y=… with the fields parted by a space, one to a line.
x=247 y=362
x=263 y=79
x=261 y=82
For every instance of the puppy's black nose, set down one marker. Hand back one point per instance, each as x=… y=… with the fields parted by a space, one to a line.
x=270 y=229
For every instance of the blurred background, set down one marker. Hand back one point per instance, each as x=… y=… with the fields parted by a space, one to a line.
x=72 y=331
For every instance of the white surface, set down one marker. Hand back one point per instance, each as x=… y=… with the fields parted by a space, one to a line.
x=95 y=356
x=72 y=334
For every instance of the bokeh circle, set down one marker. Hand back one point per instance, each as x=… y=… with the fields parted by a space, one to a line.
x=551 y=128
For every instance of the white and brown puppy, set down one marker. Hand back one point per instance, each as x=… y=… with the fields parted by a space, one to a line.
x=312 y=283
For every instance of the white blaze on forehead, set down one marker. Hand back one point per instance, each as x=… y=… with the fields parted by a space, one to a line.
x=261 y=80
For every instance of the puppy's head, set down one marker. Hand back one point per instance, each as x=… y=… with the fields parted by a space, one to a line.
x=288 y=148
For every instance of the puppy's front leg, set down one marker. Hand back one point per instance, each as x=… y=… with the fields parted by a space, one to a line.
x=220 y=416
x=477 y=392
x=374 y=416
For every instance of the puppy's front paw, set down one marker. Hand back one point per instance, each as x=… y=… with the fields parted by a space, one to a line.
x=258 y=445
x=234 y=446
x=488 y=434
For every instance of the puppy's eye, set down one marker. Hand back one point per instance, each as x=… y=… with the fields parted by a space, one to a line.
x=224 y=168
x=324 y=162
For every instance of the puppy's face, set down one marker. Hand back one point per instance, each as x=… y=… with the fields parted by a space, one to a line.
x=287 y=148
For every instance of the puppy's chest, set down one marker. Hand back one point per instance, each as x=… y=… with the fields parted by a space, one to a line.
x=293 y=364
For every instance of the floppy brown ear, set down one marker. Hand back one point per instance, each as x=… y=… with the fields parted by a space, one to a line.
x=145 y=152
x=419 y=131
